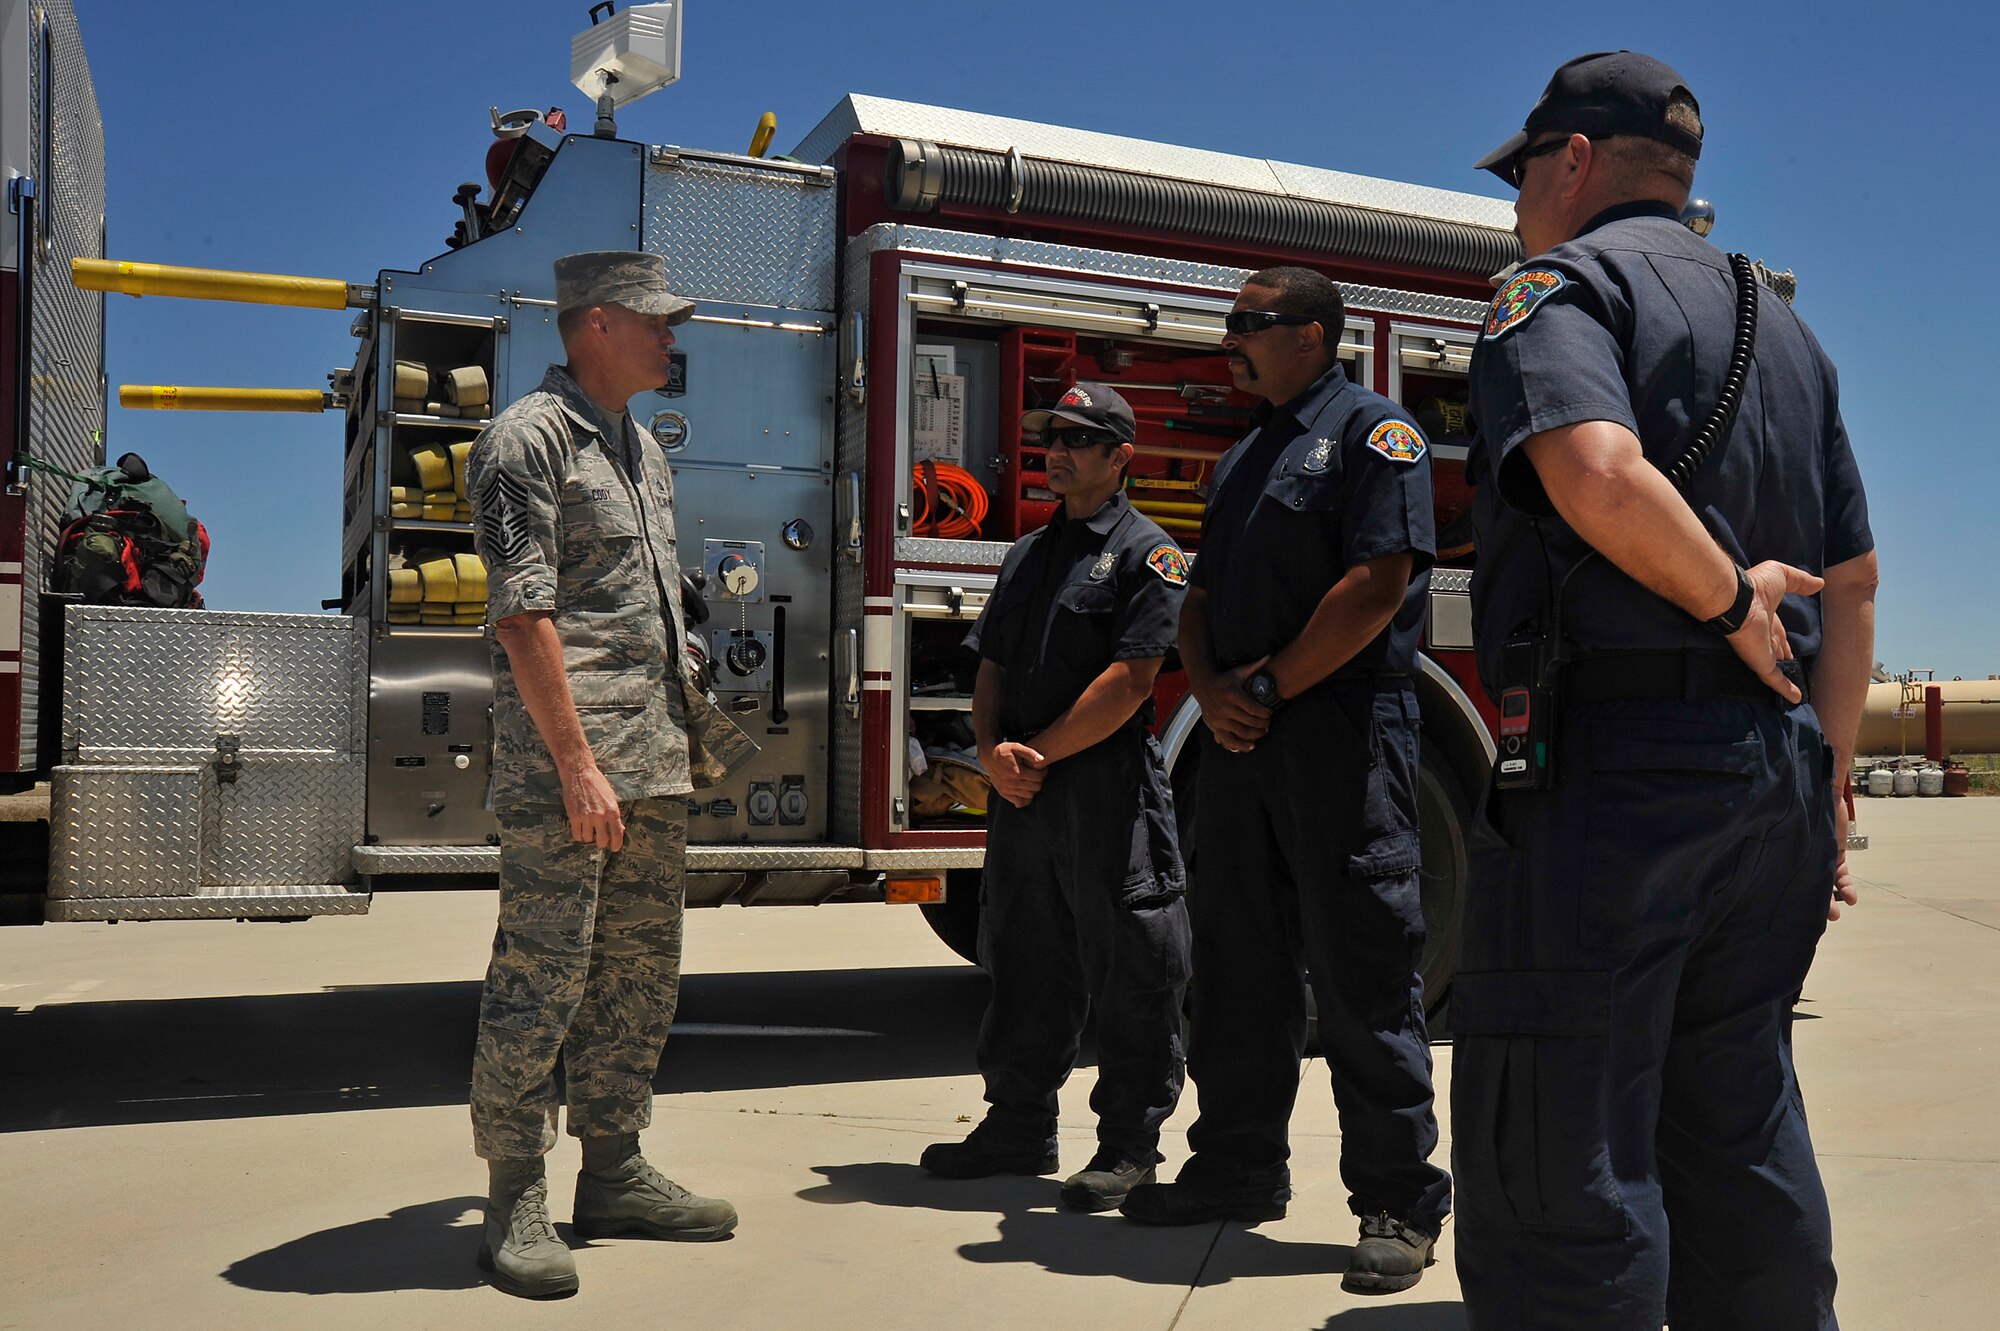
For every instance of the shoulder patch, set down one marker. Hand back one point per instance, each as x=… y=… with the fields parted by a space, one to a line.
x=1170 y=564
x=1397 y=441
x=1519 y=297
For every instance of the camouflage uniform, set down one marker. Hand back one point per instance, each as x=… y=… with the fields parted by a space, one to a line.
x=586 y=960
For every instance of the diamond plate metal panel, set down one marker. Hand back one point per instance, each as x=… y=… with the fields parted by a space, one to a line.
x=933 y=242
x=282 y=823
x=66 y=346
x=425 y=859
x=151 y=698
x=1451 y=580
x=1392 y=196
x=773 y=859
x=953 y=857
x=924 y=550
x=141 y=684
x=263 y=903
x=967 y=129
x=117 y=831
x=736 y=229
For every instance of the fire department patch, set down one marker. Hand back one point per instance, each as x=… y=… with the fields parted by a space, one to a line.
x=1318 y=456
x=1076 y=397
x=1517 y=300
x=1102 y=568
x=1397 y=441
x=1170 y=564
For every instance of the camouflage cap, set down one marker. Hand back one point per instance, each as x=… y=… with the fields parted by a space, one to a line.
x=632 y=278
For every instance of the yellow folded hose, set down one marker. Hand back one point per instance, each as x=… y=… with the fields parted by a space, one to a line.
x=433 y=466
x=440 y=505
x=467 y=386
x=440 y=579
x=459 y=452
x=471 y=577
x=406 y=586
x=413 y=380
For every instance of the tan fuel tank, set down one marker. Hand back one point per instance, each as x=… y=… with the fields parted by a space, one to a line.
x=1971 y=718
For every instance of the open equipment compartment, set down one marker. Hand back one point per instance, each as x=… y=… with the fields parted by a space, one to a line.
x=1428 y=375
x=976 y=350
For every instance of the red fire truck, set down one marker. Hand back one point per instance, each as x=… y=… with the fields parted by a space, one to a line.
x=877 y=310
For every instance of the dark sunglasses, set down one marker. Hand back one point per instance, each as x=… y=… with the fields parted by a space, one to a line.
x=1075 y=439
x=1517 y=166
x=1245 y=322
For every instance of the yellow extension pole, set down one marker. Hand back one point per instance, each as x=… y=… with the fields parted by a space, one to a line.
x=169 y=397
x=161 y=279
x=767 y=129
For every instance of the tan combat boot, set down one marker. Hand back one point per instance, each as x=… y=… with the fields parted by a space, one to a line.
x=520 y=1247
x=617 y=1192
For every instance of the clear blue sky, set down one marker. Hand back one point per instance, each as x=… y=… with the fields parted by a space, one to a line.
x=1851 y=143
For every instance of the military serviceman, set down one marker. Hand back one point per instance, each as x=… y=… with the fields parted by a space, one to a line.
x=1300 y=635
x=598 y=738
x=1082 y=900
x=1628 y=1134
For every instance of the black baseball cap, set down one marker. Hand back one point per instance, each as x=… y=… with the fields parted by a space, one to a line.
x=1091 y=405
x=1599 y=95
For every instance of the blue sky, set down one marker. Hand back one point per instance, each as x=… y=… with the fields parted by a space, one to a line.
x=1852 y=144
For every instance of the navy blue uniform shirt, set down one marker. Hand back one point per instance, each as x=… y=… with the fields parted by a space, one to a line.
x=1335 y=477
x=1071 y=599
x=1632 y=322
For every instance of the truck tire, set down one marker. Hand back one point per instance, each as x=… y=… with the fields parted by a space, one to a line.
x=1443 y=812
x=955 y=920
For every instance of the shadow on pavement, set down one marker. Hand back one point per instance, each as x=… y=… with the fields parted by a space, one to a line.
x=1035 y=1229
x=397 y=1046
x=1400 y=1317
x=427 y=1246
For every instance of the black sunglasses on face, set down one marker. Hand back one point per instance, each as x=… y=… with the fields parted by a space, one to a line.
x=1075 y=439
x=1245 y=322
x=1517 y=167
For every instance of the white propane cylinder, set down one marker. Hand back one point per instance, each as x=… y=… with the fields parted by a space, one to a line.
x=1881 y=781
x=1905 y=782
x=1930 y=781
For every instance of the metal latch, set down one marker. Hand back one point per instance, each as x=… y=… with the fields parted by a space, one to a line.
x=225 y=761
x=954 y=597
x=899 y=810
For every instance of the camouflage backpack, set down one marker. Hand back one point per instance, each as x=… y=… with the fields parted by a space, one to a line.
x=127 y=539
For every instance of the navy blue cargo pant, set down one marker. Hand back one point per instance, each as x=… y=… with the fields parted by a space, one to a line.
x=1627 y=1130
x=1306 y=858
x=1082 y=907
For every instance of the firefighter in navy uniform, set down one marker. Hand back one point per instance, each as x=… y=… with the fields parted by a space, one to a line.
x=1629 y=1140
x=1300 y=636
x=1082 y=904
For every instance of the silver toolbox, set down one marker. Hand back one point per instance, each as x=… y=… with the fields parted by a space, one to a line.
x=213 y=765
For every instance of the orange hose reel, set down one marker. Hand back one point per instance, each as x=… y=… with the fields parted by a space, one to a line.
x=946 y=501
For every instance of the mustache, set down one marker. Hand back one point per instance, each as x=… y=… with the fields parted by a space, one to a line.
x=1249 y=366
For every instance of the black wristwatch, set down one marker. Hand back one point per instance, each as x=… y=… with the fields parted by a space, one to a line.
x=1263 y=690
x=1732 y=619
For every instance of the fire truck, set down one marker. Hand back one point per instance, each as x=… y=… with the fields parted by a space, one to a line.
x=876 y=311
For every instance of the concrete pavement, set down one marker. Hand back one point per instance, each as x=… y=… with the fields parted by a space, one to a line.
x=259 y=1125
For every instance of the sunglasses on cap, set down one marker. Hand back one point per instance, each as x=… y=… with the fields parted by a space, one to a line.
x=1517 y=165
x=1244 y=322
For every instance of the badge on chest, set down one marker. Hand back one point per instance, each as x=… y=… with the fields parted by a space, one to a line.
x=1102 y=568
x=1318 y=457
